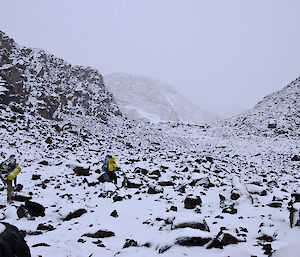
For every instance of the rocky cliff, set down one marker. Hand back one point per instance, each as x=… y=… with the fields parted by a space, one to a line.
x=41 y=84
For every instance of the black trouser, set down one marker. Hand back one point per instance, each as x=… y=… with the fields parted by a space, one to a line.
x=112 y=175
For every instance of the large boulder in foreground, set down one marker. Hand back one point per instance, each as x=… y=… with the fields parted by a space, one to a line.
x=12 y=243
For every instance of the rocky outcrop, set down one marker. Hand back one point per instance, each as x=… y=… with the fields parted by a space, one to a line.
x=41 y=84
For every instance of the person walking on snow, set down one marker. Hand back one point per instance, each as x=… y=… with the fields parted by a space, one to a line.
x=109 y=167
x=9 y=170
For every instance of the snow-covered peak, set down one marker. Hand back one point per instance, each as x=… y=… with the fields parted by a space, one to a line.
x=146 y=98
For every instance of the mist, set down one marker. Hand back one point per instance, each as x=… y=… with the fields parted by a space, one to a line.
x=224 y=56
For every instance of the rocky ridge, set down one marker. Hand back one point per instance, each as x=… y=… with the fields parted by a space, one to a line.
x=43 y=85
x=278 y=114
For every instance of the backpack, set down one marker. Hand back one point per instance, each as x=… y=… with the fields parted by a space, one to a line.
x=112 y=166
x=110 y=163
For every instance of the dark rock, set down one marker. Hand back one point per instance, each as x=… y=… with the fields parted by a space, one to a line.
x=166 y=183
x=230 y=210
x=100 y=234
x=295 y=197
x=12 y=243
x=275 y=204
x=21 y=198
x=141 y=170
x=266 y=238
x=215 y=243
x=44 y=162
x=33 y=233
x=41 y=244
x=164 y=249
x=114 y=214
x=98 y=243
x=155 y=173
x=80 y=171
x=195 y=225
x=296 y=158
x=131 y=184
x=263 y=193
x=173 y=208
x=35 y=209
x=75 y=214
x=234 y=196
x=45 y=227
x=228 y=239
x=192 y=241
x=272 y=183
x=192 y=202
x=18 y=188
x=21 y=211
x=210 y=159
x=268 y=249
x=49 y=140
x=222 y=198
x=272 y=125
x=181 y=189
x=186 y=169
x=118 y=198
x=130 y=243
x=154 y=190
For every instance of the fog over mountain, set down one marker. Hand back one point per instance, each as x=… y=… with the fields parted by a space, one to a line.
x=146 y=98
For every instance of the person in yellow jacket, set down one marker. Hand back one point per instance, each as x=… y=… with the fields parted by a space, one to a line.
x=109 y=167
x=9 y=171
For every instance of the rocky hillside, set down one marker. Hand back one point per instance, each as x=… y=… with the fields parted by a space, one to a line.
x=38 y=83
x=148 y=99
x=278 y=114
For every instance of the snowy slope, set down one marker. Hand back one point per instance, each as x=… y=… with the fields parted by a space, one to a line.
x=145 y=98
x=278 y=114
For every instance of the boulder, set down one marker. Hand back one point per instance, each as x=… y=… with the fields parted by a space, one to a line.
x=141 y=170
x=275 y=204
x=195 y=225
x=45 y=227
x=296 y=158
x=75 y=214
x=132 y=184
x=80 y=171
x=154 y=190
x=100 y=234
x=114 y=214
x=130 y=243
x=192 y=241
x=35 y=209
x=228 y=239
x=191 y=202
x=166 y=183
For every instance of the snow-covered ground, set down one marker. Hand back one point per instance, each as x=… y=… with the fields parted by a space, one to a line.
x=179 y=161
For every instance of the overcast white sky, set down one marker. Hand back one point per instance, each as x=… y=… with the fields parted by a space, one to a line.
x=222 y=55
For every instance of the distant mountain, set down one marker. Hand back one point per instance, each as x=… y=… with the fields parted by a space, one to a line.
x=38 y=83
x=277 y=114
x=148 y=99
